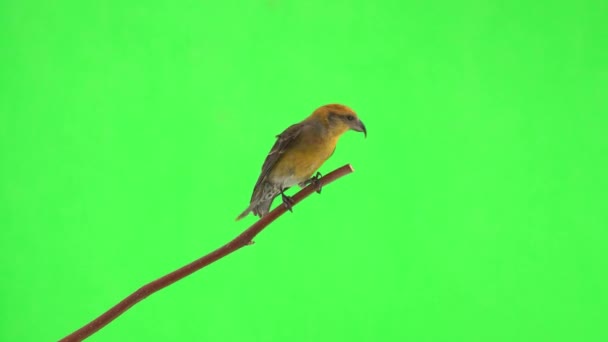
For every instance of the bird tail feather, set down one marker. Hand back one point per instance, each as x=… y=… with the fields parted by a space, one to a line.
x=260 y=201
x=244 y=213
x=259 y=209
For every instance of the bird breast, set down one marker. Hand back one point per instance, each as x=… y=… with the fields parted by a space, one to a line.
x=301 y=160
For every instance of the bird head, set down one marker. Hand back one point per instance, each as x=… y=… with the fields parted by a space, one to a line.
x=339 y=119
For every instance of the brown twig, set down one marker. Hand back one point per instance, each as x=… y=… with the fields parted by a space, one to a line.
x=245 y=238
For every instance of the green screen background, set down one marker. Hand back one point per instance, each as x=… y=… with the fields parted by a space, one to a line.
x=132 y=132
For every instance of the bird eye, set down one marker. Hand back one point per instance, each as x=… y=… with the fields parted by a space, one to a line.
x=350 y=118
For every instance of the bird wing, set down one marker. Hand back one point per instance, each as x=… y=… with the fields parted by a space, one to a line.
x=278 y=149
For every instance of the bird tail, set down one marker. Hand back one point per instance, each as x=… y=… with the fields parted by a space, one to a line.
x=259 y=209
x=262 y=198
x=244 y=213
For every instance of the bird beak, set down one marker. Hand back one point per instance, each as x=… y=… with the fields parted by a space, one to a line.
x=360 y=127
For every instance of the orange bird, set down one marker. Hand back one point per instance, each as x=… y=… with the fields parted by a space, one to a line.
x=298 y=152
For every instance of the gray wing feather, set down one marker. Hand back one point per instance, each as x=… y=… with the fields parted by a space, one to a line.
x=278 y=149
x=264 y=192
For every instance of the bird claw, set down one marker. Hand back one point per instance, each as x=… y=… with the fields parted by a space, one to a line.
x=287 y=201
x=315 y=181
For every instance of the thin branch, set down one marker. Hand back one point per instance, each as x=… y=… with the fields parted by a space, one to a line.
x=244 y=239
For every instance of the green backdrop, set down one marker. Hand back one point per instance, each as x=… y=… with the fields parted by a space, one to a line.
x=132 y=132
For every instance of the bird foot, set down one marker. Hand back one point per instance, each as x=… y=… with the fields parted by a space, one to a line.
x=287 y=201
x=315 y=181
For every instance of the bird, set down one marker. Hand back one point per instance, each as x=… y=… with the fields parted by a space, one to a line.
x=298 y=152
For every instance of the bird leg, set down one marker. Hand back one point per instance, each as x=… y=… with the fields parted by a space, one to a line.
x=314 y=180
x=287 y=201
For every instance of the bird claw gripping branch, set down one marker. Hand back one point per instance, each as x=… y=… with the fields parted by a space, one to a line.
x=314 y=180
x=287 y=201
